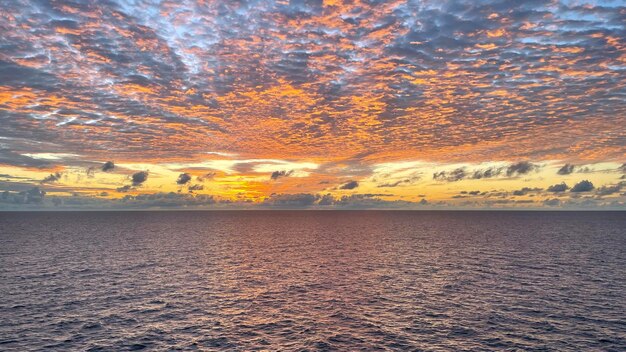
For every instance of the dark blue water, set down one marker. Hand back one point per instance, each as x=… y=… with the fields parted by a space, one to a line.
x=281 y=280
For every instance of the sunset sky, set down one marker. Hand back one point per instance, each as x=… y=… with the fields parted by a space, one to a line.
x=319 y=104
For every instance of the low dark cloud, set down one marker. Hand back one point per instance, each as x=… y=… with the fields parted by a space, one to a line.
x=526 y=190
x=349 y=185
x=566 y=169
x=109 y=165
x=452 y=176
x=582 y=186
x=205 y=177
x=326 y=199
x=193 y=188
x=124 y=189
x=406 y=181
x=558 y=188
x=521 y=168
x=487 y=173
x=52 y=178
x=90 y=171
x=610 y=189
x=183 y=179
x=168 y=200
x=34 y=195
x=291 y=200
x=10 y=157
x=278 y=174
x=554 y=202
x=139 y=177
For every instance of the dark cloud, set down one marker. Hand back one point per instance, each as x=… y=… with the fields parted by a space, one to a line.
x=452 y=176
x=196 y=188
x=582 y=186
x=109 y=165
x=610 y=189
x=10 y=157
x=526 y=190
x=487 y=173
x=349 y=185
x=90 y=171
x=33 y=195
x=520 y=168
x=168 y=200
x=277 y=174
x=397 y=183
x=561 y=187
x=17 y=75
x=326 y=199
x=52 y=178
x=183 y=178
x=139 y=177
x=566 y=169
x=205 y=177
x=291 y=200
x=124 y=189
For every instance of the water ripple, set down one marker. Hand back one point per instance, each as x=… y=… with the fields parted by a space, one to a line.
x=313 y=281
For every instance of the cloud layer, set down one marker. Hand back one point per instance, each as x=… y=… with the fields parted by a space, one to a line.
x=308 y=97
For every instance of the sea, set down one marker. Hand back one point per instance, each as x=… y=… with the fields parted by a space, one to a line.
x=313 y=281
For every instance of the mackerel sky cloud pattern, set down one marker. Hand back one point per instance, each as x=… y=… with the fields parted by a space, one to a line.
x=338 y=86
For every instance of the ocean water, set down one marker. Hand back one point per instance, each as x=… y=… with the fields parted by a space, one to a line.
x=313 y=281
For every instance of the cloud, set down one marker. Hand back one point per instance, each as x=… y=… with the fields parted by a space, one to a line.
x=487 y=173
x=52 y=178
x=170 y=199
x=582 y=186
x=196 y=188
x=326 y=199
x=398 y=182
x=452 y=176
x=291 y=200
x=207 y=176
x=349 y=185
x=10 y=157
x=610 y=189
x=277 y=174
x=561 y=187
x=183 y=178
x=139 y=177
x=124 y=189
x=520 y=168
x=346 y=84
x=109 y=165
x=566 y=169
x=461 y=173
x=552 y=202
x=33 y=195
x=524 y=191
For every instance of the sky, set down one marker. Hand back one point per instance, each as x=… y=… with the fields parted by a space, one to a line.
x=476 y=104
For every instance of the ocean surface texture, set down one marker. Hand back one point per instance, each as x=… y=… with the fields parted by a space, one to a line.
x=309 y=280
